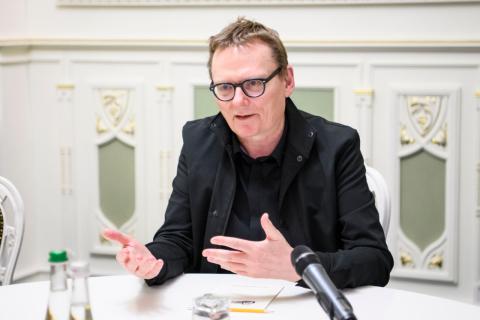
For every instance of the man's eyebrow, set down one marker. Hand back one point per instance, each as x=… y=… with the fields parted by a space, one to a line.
x=237 y=82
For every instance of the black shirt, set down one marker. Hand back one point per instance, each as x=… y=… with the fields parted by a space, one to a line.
x=257 y=191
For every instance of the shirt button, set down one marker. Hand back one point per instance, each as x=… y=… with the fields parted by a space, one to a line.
x=310 y=134
x=215 y=213
x=213 y=125
x=299 y=158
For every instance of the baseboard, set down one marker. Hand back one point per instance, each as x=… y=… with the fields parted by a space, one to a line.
x=35 y=273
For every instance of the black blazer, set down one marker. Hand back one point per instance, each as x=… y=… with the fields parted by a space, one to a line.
x=324 y=200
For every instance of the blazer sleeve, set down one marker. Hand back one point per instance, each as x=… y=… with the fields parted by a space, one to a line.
x=173 y=241
x=363 y=258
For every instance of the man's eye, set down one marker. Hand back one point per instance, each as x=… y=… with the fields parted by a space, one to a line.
x=253 y=84
x=224 y=87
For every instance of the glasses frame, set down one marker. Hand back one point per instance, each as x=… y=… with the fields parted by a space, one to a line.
x=241 y=84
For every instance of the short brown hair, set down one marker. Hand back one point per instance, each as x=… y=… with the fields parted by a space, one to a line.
x=244 y=31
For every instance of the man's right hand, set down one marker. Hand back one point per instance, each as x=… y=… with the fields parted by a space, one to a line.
x=134 y=256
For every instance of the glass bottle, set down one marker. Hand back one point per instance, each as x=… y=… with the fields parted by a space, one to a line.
x=58 y=298
x=80 y=301
x=210 y=306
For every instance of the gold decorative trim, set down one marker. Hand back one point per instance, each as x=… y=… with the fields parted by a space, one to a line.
x=423 y=112
x=115 y=104
x=441 y=136
x=100 y=126
x=129 y=128
x=365 y=92
x=65 y=86
x=406 y=259
x=436 y=262
x=165 y=88
x=405 y=138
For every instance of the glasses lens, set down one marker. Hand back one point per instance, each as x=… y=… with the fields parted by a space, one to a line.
x=224 y=91
x=254 y=87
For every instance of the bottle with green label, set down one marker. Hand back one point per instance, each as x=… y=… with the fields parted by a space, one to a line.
x=59 y=296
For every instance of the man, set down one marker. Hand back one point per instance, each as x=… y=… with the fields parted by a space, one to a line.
x=262 y=177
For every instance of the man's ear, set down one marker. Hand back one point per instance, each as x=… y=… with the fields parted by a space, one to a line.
x=289 y=81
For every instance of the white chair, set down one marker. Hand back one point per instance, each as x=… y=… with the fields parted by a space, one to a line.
x=378 y=186
x=11 y=229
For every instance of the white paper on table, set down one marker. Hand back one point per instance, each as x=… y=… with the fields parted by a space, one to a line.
x=248 y=297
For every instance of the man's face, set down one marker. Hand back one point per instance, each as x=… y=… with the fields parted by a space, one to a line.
x=252 y=118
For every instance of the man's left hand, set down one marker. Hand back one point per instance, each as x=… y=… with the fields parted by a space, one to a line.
x=269 y=258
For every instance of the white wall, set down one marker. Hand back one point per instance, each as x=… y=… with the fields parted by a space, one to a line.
x=43 y=47
x=13 y=18
x=361 y=22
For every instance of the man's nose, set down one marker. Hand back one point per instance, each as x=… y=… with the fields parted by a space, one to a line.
x=240 y=96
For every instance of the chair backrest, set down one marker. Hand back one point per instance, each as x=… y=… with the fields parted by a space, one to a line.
x=11 y=229
x=378 y=186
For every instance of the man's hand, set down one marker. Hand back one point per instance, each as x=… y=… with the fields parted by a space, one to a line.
x=134 y=256
x=269 y=258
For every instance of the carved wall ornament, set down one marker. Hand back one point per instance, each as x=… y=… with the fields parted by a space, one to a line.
x=115 y=104
x=100 y=126
x=129 y=128
x=405 y=138
x=423 y=112
x=406 y=259
x=436 y=262
x=441 y=136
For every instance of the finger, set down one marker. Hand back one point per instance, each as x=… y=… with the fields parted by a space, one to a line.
x=225 y=255
x=229 y=264
x=157 y=267
x=233 y=267
x=234 y=243
x=117 y=236
x=271 y=232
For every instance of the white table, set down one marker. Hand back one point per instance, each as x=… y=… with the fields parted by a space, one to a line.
x=126 y=297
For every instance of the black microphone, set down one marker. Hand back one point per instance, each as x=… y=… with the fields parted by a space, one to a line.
x=308 y=266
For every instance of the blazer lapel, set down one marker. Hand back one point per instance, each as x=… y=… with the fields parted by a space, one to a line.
x=223 y=194
x=300 y=138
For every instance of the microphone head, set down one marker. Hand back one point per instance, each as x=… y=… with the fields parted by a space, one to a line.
x=301 y=257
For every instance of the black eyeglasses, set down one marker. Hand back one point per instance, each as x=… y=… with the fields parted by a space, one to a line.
x=253 y=88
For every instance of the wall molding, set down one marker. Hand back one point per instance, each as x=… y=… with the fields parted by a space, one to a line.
x=292 y=44
x=228 y=3
x=22 y=275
